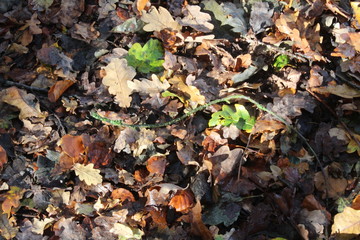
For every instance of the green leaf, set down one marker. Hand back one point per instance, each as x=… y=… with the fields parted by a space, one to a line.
x=147 y=58
x=240 y=117
x=281 y=61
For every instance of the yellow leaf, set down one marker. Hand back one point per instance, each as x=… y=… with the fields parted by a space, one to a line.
x=353 y=145
x=347 y=222
x=159 y=20
x=178 y=82
x=356 y=8
x=117 y=75
x=87 y=173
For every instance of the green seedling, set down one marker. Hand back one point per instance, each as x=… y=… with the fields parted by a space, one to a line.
x=239 y=116
x=281 y=61
x=147 y=58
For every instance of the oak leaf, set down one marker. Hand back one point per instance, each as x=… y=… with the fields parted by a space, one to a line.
x=148 y=87
x=347 y=222
x=196 y=19
x=178 y=82
x=117 y=75
x=12 y=199
x=158 y=20
x=23 y=101
x=88 y=174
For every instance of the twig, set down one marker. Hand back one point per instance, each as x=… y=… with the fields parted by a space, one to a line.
x=23 y=86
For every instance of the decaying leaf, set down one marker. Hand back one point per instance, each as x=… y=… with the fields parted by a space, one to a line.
x=11 y=199
x=347 y=222
x=123 y=231
x=339 y=90
x=3 y=157
x=157 y=20
x=40 y=225
x=23 y=101
x=88 y=174
x=117 y=75
x=330 y=186
x=58 y=89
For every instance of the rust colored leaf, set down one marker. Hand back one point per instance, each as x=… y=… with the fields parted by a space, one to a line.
x=267 y=125
x=182 y=201
x=3 y=157
x=311 y=204
x=12 y=199
x=72 y=145
x=141 y=4
x=99 y=154
x=356 y=203
x=58 y=89
x=122 y=194
x=156 y=164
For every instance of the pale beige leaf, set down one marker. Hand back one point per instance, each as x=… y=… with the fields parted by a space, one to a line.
x=144 y=142
x=347 y=222
x=158 y=20
x=23 y=101
x=148 y=87
x=339 y=90
x=125 y=232
x=40 y=225
x=117 y=75
x=196 y=19
x=88 y=174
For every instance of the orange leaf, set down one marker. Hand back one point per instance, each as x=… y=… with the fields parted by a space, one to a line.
x=123 y=194
x=156 y=164
x=141 y=4
x=58 y=89
x=72 y=145
x=3 y=157
x=356 y=203
x=12 y=199
x=182 y=201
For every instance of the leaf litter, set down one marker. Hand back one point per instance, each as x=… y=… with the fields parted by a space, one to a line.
x=222 y=173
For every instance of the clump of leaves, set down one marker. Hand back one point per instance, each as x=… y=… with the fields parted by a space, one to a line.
x=281 y=61
x=239 y=116
x=147 y=58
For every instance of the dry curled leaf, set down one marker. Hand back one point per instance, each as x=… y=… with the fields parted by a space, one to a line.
x=196 y=19
x=88 y=173
x=157 y=20
x=148 y=87
x=117 y=75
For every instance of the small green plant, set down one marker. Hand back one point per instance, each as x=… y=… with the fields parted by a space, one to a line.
x=281 y=61
x=148 y=58
x=239 y=116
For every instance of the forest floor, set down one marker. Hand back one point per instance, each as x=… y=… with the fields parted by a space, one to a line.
x=286 y=169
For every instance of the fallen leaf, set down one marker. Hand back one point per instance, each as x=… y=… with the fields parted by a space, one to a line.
x=356 y=203
x=196 y=19
x=106 y=6
x=356 y=9
x=346 y=222
x=182 y=201
x=23 y=101
x=40 y=225
x=11 y=199
x=353 y=145
x=330 y=186
x=196 y=98
x=32 y=23
x=156 y=164
x=261 y=16
x=87 y=173
x=72 y=145
x=123 y=231
x=54 y=57
x=197 y=225
x=8 y=228
x=339 y=90
x=148 y=87
x=141 y=4
x=3 y=157
x=70 y=11
x=68 y=228
x=58 y=89
x=117 y=75
x=122 y=194
x=157 y=20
